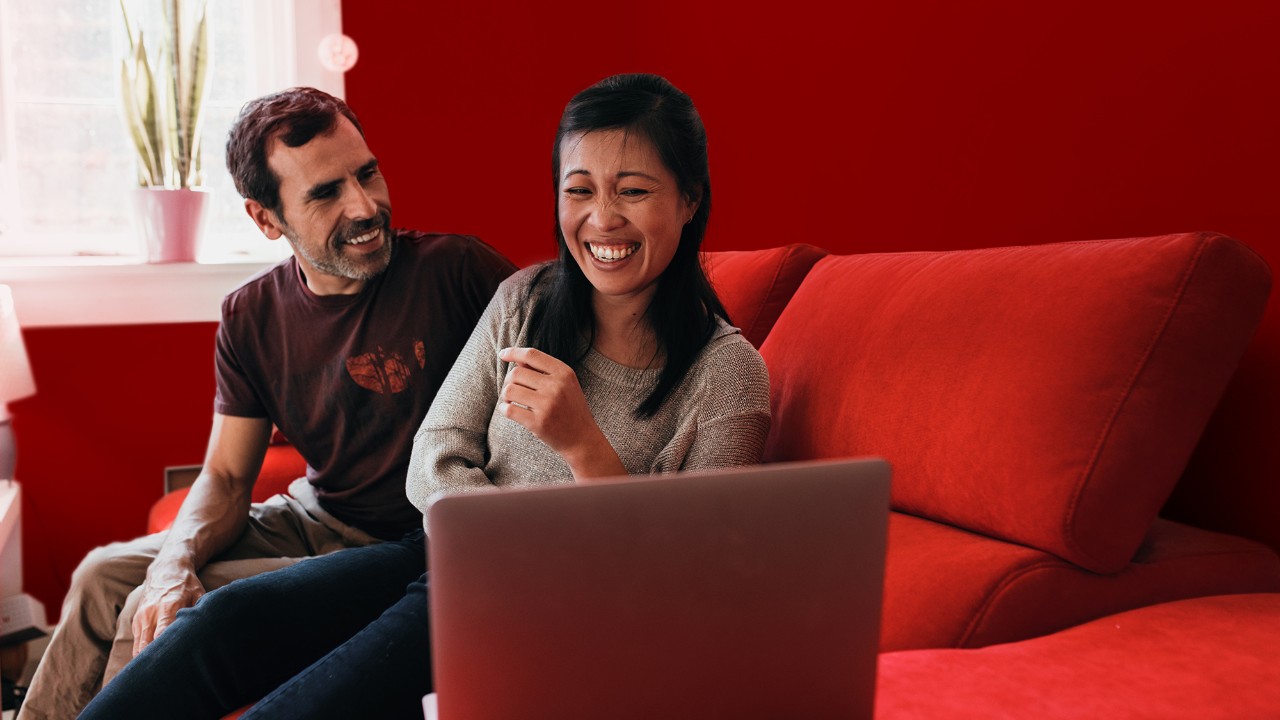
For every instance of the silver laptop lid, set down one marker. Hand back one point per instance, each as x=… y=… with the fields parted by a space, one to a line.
x=746 y=592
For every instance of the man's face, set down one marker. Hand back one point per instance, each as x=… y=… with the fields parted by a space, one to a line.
x=334 y=209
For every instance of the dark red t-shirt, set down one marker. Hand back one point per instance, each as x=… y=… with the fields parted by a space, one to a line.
x=348 y=378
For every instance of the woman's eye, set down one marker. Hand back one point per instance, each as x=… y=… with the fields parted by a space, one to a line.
x=577 y=191
x=633 y=192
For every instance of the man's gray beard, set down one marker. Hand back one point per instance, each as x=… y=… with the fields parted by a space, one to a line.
x=343 y=266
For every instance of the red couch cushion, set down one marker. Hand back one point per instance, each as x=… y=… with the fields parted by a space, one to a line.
x=945 y=587
x=1207 y=658
x=755 y=285
x=1047 y=395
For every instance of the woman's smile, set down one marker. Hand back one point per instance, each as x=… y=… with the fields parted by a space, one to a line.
x=612 y=252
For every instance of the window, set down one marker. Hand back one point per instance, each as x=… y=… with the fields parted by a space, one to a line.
x=67 y=169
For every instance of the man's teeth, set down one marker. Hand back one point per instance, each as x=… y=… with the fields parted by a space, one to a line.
x=362 y=239
x=612 y=253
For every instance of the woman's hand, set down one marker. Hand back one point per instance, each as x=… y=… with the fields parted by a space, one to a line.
x=543 y=395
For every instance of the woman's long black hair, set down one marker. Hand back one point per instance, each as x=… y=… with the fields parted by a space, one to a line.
x=682 y=312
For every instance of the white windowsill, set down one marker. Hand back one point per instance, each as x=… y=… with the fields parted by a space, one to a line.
x=121 y=292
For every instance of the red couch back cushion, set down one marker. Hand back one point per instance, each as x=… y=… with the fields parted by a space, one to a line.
x=1047 y=395
x=755 y=285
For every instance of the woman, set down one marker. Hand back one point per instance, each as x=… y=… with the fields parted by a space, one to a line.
x=615 y=358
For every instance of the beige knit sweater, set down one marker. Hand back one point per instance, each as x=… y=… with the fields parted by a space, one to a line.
x=717 y=416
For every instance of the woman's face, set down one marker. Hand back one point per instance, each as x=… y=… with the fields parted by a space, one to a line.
x=620 y=210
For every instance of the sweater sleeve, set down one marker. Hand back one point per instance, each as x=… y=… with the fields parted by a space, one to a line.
x=729 y=419
x=451 y=447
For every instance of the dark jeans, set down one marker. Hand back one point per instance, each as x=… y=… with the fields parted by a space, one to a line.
x=337 y=636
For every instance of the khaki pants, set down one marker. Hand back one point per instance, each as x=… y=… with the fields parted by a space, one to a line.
x=94 y=637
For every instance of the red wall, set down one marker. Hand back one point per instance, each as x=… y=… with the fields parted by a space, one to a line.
x=894 y=126
x=114 y=405
x=898 y=125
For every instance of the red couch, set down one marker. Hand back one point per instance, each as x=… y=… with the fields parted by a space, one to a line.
x=1039 y=405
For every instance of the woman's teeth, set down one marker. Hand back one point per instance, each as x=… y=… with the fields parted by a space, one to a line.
x=612 y=253
x=362 y=239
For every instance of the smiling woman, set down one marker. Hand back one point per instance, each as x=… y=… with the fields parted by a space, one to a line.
x=64 y=137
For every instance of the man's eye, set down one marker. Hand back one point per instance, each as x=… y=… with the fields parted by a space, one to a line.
x=368 y=175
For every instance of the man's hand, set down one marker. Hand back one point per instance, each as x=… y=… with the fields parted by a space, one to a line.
x=543 y=395
x=170 y=586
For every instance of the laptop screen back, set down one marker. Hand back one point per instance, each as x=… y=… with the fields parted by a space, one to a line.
x=748 y=592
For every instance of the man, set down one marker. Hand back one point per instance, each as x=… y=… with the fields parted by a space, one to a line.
x=342 y=346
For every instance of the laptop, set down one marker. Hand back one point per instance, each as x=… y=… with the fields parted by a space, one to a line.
x=737 y=593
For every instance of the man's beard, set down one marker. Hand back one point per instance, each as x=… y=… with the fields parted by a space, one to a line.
x=337 y=262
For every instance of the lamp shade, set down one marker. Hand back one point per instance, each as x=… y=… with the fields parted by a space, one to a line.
x=15 y=370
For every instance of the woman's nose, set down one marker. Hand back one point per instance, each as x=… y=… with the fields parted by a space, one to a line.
x=605 y=217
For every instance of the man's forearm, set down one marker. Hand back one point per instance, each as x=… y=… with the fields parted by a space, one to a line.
x=211 y=518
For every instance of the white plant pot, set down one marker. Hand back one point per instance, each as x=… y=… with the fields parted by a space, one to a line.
x=171 y=222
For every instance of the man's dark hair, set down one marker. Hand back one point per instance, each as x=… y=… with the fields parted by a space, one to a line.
x=684 y=306
x=295 y=116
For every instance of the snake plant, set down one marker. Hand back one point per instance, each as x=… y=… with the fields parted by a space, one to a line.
x=163 y=96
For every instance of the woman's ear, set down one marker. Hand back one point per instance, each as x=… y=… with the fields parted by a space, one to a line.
x=691 y=206
x=266 y=220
